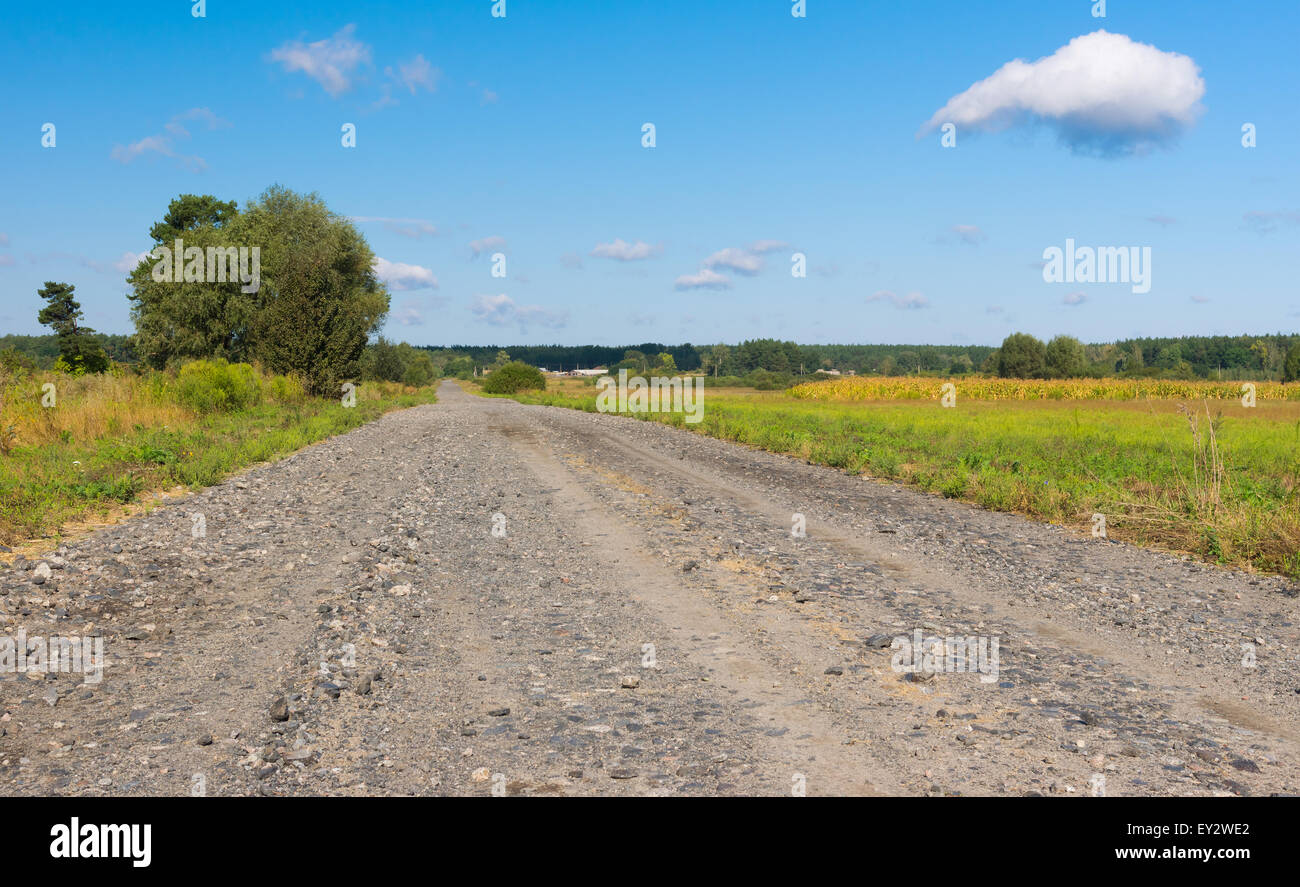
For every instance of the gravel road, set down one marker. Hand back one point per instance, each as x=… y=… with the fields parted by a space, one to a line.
x=479 y=597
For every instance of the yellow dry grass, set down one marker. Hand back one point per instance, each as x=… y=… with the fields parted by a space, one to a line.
x=992 y=388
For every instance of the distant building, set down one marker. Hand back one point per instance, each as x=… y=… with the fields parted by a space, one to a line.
x=597 y=371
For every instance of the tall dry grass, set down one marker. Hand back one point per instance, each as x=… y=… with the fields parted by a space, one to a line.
x=85 y=408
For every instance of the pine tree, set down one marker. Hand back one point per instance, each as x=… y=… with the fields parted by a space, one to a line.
x=79 y=350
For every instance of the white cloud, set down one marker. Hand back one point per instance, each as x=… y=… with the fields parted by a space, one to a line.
x=501 y=310
x=1103 y=92
x=1162 y=221
x=330 y=62
x=495 y=242
x=738 y=260
x=6 y=261
x=164 y=143
x=1074 y=299
x=763 y=247
x=911 y=301
x=572 y=261
x=416 y=74
x=705 y=279
x=413 y=228
x=970 y=234
x=401 y=276
x=410 y=314
x=4 y=239
x=622 y=251
x=128 y=260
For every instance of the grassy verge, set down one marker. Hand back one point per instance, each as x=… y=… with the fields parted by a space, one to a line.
x=111 y=440
x=1210 y=478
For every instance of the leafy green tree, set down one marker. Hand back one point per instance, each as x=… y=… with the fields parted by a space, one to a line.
x=382 y=361
x=317 y=304
x=1065 y=357
x=1133 y=359
x=1291 y=369
x=961 y=365
x=419 y=370
x=1169 y=357
x=191 y=212
x=1022 y=357
x=991 y=363
x=721 y=357
x=79 y=350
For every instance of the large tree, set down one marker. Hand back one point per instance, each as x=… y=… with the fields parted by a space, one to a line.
x=316 y=304
x=180 y=320
x=79 y=350
x=1066 y=358
x=1022 y=357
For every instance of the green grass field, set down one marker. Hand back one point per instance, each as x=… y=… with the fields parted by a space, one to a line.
x=110 y=441
x=1227 y=491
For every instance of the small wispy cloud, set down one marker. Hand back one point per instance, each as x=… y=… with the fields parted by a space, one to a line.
x=1268 y=222
x=501 y=310
x=1162 y=221
x=1074 y=299
x=401 y=276
x=622 y=251
x=416 y=74
x=330 y=62
x=411 y=313
x=413 y=228
x=969 y=234
x=128 y=260
x=913 y=301
x=486 y=244
x=486 y=96
x=164 y=143
x=704 y=279
x=737 y=260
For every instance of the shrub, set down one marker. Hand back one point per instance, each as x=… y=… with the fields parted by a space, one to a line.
x=514 y=376
x=286 y=389
x=209 y=386
x=766 y=380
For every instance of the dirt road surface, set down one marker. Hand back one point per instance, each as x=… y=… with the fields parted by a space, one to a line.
x=480 y=597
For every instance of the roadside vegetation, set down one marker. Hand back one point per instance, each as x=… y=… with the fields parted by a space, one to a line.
x=228 y=366
x=1187 y=469
x=111 y=439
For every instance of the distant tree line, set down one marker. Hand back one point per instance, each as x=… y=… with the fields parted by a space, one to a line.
x=1274 y=356
x=42 y=352
x=568 y=357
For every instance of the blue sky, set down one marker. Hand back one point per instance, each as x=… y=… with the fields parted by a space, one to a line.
x=774 y=135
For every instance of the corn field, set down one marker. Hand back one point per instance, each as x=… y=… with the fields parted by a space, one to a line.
x=992 y=388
